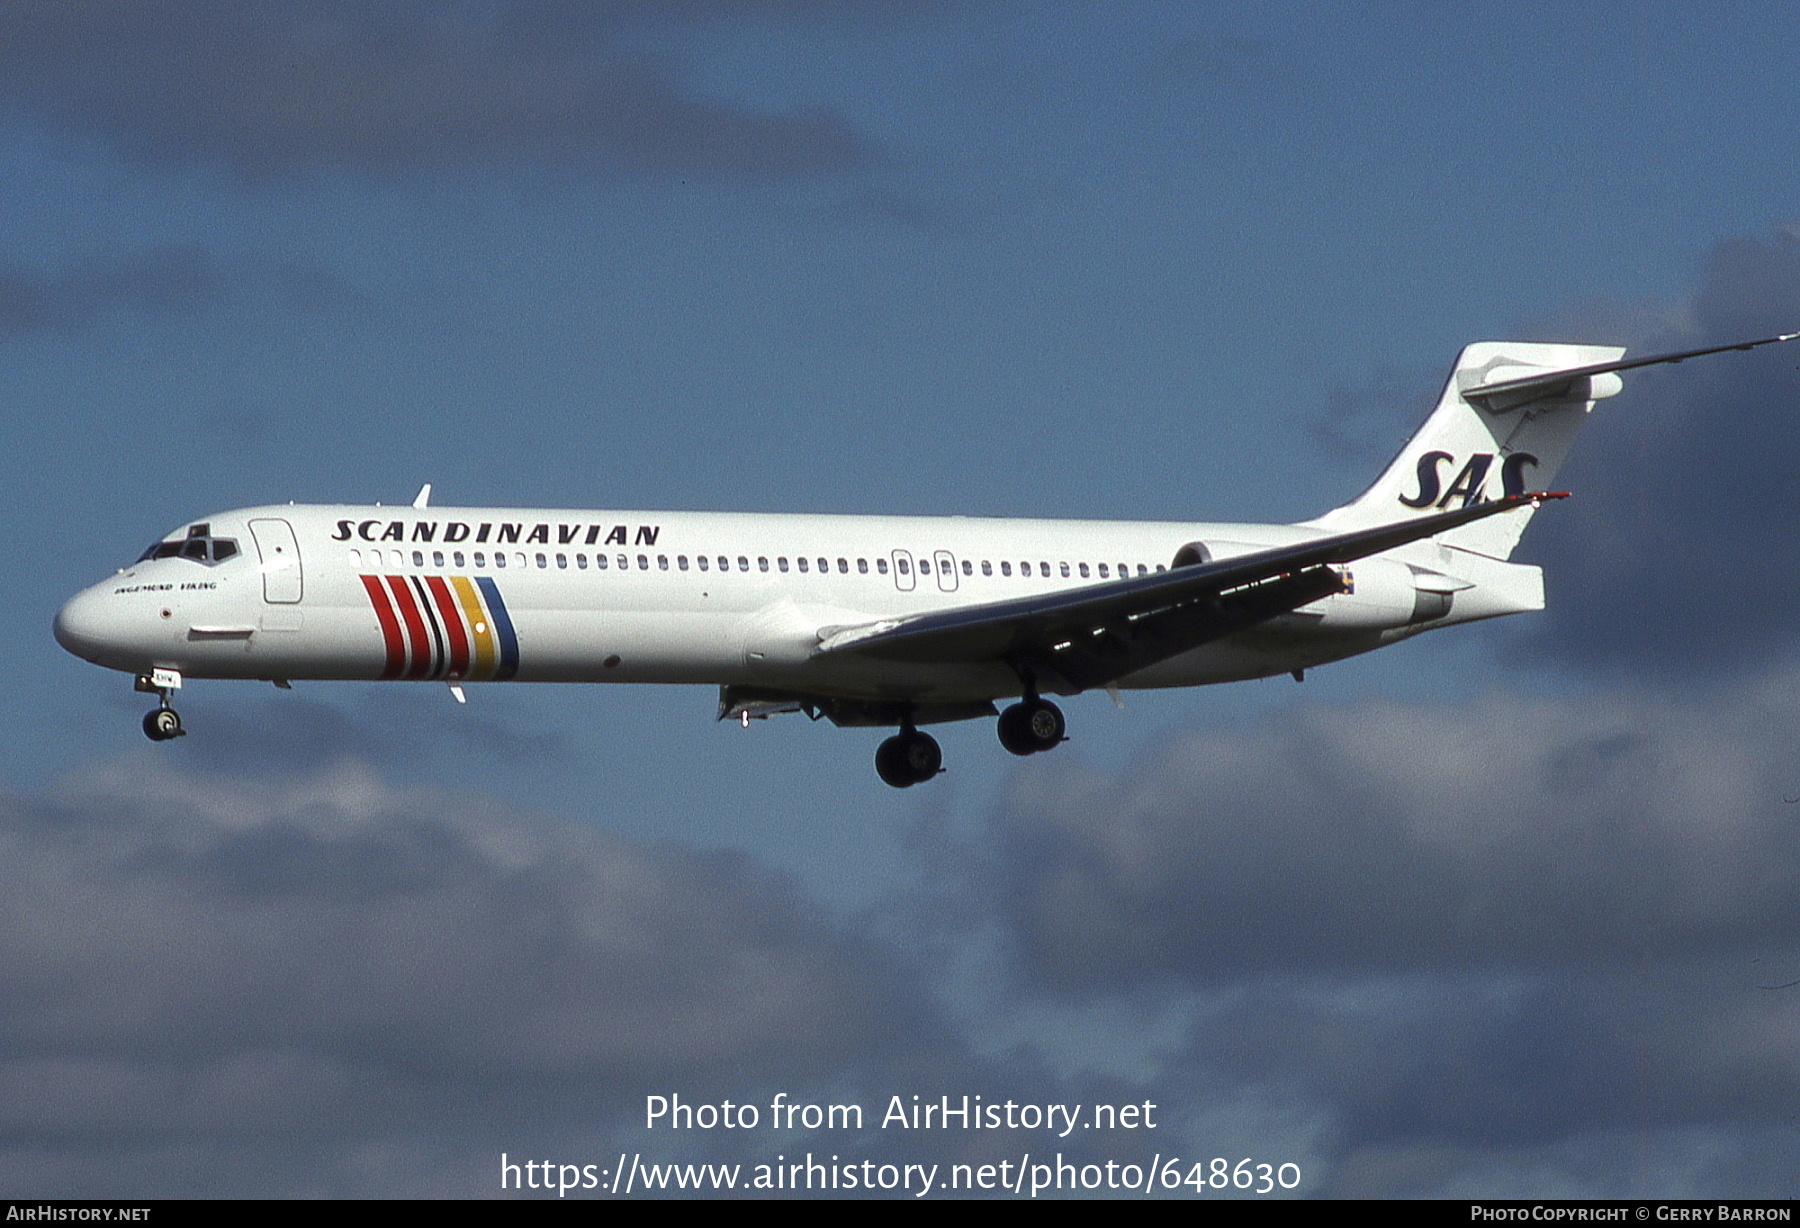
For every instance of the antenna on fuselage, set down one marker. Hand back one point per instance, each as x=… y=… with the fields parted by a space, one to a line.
x=423 y=498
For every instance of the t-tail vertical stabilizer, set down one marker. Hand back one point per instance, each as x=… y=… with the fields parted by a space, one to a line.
x=1480 y=445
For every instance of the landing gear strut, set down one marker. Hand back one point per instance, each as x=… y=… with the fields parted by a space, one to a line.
x=908 y=758
x=162 y=722
x=1030 y=726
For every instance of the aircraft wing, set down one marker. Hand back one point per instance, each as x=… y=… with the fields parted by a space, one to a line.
x=1092 y=635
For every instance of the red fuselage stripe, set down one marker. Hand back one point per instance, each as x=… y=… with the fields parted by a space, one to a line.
x=390 y=627
x=415 y=627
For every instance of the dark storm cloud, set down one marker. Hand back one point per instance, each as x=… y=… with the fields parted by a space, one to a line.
x=1482 y=947
x=102 y=285
x=206 y=968
x=1680 y=553
x=269 y=88
x=1506 y=1084
x=1504 y=833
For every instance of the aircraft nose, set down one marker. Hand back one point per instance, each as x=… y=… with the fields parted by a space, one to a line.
x=84 y=625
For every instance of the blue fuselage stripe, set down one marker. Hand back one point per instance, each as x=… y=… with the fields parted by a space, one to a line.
x=503 y=628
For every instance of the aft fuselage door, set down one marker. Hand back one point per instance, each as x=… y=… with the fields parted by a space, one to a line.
x=904 y=579
x=282 y=582
x=946 y=569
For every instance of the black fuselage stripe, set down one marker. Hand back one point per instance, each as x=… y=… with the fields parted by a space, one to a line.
x=438 y=657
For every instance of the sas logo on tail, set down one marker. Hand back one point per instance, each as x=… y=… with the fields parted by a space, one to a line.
x=1469 y=480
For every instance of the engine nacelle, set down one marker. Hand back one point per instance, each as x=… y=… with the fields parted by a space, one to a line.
x=1385 y=593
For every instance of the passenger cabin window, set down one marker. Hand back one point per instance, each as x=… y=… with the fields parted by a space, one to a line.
x=1065 y=570
x=862 y=566
x=681 y=561
x=843 y=567
x=418 y=558
x=762 y=563
x=662 y=562
x=437 y=558
x=987 y=568
x=782 y=562
x=744 y=563
x=968 y=568
x=824 y=564
x=800 y=562
x=581 y=561
x=881 y=566
x=643 y=562
x=499 y=559
x=1005 y=568
x=1084 y=571
x=600 y=561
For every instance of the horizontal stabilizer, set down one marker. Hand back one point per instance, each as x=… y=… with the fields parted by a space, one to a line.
x=1509 y=394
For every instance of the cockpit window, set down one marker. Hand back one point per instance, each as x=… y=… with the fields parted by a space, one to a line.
x=198 y=544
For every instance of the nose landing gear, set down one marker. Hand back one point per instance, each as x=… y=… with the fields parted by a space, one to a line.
x=162 y=722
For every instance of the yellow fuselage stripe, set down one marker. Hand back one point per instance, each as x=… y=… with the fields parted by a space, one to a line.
x=481 y=669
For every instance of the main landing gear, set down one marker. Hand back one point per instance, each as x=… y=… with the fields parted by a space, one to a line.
x=908 y=758
x=1027 y=727
x=1031 y=725
x=162 y=722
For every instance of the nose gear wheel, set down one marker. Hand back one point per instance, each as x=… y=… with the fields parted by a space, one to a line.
x=162 y=724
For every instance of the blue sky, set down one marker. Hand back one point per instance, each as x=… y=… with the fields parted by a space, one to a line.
x=1184 y=262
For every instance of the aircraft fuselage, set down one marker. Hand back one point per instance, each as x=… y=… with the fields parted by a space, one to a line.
x=530 y=595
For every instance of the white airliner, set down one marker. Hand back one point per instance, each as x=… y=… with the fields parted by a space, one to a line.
x=866 y=620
